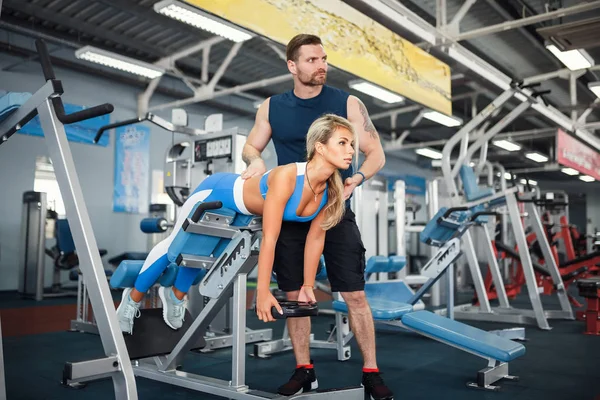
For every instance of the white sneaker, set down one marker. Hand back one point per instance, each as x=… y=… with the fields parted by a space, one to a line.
x=173 y=309
x=127 y=311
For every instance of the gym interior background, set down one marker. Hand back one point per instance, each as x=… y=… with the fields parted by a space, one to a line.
x=507 y=42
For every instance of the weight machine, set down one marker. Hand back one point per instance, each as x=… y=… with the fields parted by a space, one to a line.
x=486 y=199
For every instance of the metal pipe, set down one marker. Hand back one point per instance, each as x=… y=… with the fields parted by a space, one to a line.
x=464 y=9
x=505 y=26
x=560 y=73
x=395 y=112
x=522 y=135
x=224 y=92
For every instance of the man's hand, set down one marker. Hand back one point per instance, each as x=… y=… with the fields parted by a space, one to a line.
x=264 y=301
x=306 y=295
x=256 y=167
x=350 y=184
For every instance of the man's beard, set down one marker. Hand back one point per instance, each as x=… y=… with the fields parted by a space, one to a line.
x=316 y=79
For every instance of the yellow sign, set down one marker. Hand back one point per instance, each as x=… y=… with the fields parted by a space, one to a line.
x=353 y=42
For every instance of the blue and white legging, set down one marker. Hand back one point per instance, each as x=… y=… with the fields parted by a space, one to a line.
x=224 y=187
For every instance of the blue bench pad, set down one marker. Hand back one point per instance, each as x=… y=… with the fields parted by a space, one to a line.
x=199 y=245
x=388 y=300
x=377 y=264
x=382 y=309
x=128 y=271
x=464 y=336
x=397 y=263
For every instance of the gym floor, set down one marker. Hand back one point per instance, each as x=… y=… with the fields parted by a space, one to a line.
x=559 y=364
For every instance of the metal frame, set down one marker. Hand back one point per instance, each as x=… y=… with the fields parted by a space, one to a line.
x=226 y=277
x=2 y=378
x=79 y=221
x=203 y=89
x=504 y=313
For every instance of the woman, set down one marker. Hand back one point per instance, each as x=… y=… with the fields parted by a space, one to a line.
x=311 y=191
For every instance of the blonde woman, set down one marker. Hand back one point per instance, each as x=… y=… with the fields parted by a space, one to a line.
x=309 y=191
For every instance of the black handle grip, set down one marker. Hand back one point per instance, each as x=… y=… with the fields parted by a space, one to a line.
x=45 y=60
x=116 y=125
x=453 y=209
x=480 y=213
x=530 y=85
x=82 y=115
x=211 y=205
x=541 y=93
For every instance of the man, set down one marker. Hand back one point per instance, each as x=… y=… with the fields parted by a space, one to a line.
x=285 y=119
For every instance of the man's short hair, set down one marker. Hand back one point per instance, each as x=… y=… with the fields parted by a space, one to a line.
x=293 y=47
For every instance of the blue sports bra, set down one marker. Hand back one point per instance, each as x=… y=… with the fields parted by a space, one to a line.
x=289 y=213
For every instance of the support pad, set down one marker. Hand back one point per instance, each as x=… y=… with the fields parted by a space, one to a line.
x=152 y=337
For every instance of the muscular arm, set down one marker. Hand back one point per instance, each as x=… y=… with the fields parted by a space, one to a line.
x=281 y=186
x=368 y=139
x=259 y=135
x=315 y=241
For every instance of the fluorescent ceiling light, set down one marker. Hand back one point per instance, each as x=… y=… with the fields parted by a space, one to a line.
x=201 y=20
x=573 y=59
x=537 y=157
x=507 y=175
x=595 y=88
x=531 y=182
x=507 y=145
x=436 y=155
x=375 y=91
x=443 y=119
x=586 y=178
x=119 y=62
x=569 y=171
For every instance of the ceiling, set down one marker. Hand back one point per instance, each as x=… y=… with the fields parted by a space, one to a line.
x=132 y=28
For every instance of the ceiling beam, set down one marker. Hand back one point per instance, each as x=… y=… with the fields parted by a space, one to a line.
x=45 y=14
x=508 y=25
x=126 y=80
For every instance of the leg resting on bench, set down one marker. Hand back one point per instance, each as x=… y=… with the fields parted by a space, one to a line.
x=495 y=371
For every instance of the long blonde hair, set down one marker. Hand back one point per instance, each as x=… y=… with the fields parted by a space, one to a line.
x=320 y=132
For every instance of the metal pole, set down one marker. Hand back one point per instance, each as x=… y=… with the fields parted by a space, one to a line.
x=400 y=211
x=524 y=134
x=238 y=364
x=441 y=14
x=87 y=250
x=550 y=263
x=511 y=116
x=224 y=92
x=505 y=26
x=526 y=264
x=573 y=95
x=588 y=111
x=464 y=9
x=2 y=379
x=450 y=173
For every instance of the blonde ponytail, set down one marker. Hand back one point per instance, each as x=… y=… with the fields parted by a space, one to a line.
x=320 y=132
x=335 y=207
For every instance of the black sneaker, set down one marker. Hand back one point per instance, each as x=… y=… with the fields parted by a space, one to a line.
x=302 y=380
x=375 y=388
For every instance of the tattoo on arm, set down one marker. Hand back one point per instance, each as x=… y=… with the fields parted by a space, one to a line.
x=368 y=124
